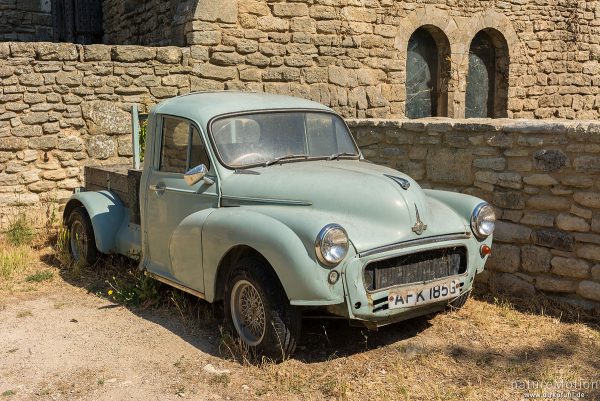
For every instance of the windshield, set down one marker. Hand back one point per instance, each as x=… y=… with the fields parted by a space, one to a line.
x=265 y=138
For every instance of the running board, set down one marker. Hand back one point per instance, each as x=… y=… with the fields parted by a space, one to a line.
x=175 y=284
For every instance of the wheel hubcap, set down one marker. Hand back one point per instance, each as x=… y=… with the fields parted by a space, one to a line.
x=78 y=241
x=248 y=312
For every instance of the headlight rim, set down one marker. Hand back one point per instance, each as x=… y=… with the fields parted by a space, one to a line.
x=474 y=222
x=319 y=242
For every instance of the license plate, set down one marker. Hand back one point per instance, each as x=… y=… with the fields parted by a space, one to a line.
x=423 y=294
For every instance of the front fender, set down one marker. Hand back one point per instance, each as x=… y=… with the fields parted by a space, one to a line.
x=462 y=204
x=304 y=281
x=106 y=213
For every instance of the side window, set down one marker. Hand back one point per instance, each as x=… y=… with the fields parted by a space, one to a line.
x=182 y=147
x=173 y=158
x=198 y=154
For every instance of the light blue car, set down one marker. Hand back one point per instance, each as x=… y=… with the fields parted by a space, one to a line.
x=266 y=203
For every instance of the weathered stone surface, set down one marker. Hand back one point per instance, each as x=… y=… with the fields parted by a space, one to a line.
x=511 y=233
x=27 y=131
x=540 y=180
x=130 y=54
x=96 y=53
x=589 y=290
x=535 y=259
x=504 y=258
x=168 y=55
x=554 y=284
x=449 y=167
x=103 y=117
x=548 y=202
x=555 y=239
x=538 y=219
x=591 y=252
x=569 y=222
x=101 y=147
x=508 y=200
x=550 y=160
x=513 y=284
x=587 y=164
x=56 y=51
x=570 y=267
x=596 y=273
x=589 y=199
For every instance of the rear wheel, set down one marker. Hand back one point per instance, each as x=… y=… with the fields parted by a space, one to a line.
x=258 y=312
x=82 y=242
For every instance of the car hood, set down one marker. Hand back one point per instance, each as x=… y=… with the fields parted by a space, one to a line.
x=373 y=208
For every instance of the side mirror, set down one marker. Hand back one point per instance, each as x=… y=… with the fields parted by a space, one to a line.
x=196 y=174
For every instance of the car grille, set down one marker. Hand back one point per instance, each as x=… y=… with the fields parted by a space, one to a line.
x=415 y=268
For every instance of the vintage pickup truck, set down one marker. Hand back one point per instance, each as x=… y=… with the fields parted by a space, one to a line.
x=266 y=203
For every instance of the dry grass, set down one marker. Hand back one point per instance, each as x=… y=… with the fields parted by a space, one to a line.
x=477 y=353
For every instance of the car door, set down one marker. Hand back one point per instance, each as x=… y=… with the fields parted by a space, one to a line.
x=175 y=211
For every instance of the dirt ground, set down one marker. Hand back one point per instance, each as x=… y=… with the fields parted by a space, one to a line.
x=65 y=339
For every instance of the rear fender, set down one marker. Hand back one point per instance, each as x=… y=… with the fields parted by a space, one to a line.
x=106 y=212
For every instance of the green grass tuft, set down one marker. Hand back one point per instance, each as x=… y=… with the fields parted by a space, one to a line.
x=20 y=232
x=39 y=276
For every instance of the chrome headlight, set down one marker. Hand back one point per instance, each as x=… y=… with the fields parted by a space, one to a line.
x=483 y=220
x=331 y=245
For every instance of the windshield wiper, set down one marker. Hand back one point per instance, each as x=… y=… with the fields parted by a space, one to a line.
x=338 y=155
x=286 y=157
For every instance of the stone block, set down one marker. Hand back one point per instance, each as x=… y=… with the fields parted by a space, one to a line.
x=96 y=53
x=570 y=267
x=104 y=117
x=132 y=54
x=537 y=219
x=588 y=199
x=587 y=164
x=290 y=9
x=591 y=252
x=168 y=55
x=540 y=180
x=448 y=166
x=27 y=131
x=504 y=258
x=550 y=160
x=508 y=200
x=510 y=283
x=555 y=284
x=555 y=239
x=589 y=290
x=511 y=233
x=569 y=222
x=596 y=273
x=101 y=147
x=215 y=72
x=535 y=259
x=56 y=51
x=548 y=202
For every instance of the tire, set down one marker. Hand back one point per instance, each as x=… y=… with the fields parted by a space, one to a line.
x=82 y=242
x=275 y=324
x=458 y=303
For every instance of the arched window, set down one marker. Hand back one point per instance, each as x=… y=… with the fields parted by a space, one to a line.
x=487 y=80
x=427 y=73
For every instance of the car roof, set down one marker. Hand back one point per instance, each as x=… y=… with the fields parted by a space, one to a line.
x=203 y=106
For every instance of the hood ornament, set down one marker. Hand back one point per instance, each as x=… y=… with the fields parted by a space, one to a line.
x=404 y=183
x=419 y=227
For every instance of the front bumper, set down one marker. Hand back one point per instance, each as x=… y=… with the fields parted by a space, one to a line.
x=371 y=307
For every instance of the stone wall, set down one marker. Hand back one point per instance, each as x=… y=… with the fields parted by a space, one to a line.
x=148 y=23
x=64 y=105
x=354 y=56
x=25 y=20
x=542 y=178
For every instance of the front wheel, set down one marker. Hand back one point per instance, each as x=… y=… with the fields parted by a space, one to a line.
x=458 y=303
x=258 y=312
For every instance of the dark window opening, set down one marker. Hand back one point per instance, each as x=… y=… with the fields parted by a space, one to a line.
x=427 y=73
x=77 y=21
x=487 y=79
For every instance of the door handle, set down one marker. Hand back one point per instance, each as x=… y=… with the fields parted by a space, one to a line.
x=159 y=188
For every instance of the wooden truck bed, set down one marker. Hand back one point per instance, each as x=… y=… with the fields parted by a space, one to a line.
x=120 y=179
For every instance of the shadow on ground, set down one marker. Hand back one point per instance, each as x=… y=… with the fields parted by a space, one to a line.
x=201 y=324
